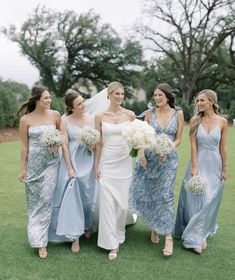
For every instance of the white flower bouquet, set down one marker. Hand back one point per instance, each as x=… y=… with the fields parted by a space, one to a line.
x=163 y=145
x=51 y=138
x=139 y=135
x=89 y=136
x=196 y=185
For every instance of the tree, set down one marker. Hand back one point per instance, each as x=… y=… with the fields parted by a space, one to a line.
x=8 y=107
x=194 y=30
x=68 y=49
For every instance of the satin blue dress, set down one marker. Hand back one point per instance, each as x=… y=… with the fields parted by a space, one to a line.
x=75 y=198
x=197 y=214
x=41 y=173
x=151 y=193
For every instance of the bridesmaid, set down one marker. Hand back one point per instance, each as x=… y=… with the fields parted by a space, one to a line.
x=76 y=190
x=38 y=167
x=152 y=189
x=113 y=167
x=197 y=214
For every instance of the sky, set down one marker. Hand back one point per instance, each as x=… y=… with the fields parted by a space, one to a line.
x=121 y=14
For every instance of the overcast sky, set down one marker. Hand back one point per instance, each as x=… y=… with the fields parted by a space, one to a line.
x=121 y=14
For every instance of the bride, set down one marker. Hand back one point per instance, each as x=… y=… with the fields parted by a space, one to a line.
x=113 y=168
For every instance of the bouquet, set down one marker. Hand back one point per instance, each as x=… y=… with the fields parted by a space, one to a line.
x=139 y=135
x=163 y=145
x=89 y=136
x=196 y=185
x=52 y=138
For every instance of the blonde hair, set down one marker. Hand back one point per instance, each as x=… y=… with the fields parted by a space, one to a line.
x=114 y=85
x=197 y=117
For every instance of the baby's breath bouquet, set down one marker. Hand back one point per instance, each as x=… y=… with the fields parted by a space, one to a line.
x=89 y=136
x=139 y=135
x=163 y=145
x=196 y=185
x=51 y=138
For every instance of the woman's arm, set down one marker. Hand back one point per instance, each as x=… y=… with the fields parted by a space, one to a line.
x=223 y=148
x=23 y=128
x=193 y=140
x=65 y=148
x=57 y=119
x=179 y=129
x=98 y=147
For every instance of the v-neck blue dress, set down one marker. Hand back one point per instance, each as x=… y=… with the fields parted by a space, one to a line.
x=197 y=214
x=151 y=193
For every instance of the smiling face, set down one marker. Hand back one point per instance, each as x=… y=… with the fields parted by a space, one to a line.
x=203 y=103
x=44 y=101
x=78 y=105
x=116 y=96
x=160 y=98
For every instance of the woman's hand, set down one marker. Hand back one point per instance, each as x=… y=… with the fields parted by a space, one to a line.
x=224 y=175
x=90 y=147
x=72 y=172
x=163 y=158
x=54 y=149
x=143 y=162
x=194 y=171
x=22 y=176
x=97 y=173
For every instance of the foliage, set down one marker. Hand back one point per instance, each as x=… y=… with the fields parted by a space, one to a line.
x=137 y=107
x=8 y=107
x=231 y=110
x=70 y=49
x=192 y=32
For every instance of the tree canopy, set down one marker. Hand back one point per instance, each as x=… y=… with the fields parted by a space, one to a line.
x=68 y=49
x=189 y=33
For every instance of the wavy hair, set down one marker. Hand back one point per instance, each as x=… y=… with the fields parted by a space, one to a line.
x=166 y=89
x=197 y=117
x=30 y=105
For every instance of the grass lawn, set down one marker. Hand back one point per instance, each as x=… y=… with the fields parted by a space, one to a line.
x=137 y=259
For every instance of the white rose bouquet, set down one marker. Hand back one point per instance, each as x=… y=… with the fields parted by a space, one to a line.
x=163 y=145
x=196 y=185
x=51 y=138
x=89 y=136
x=139 y=135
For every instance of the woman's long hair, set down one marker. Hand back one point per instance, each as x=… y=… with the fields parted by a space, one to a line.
x=70 y=96
x=166 y=89
x=197 y=117
x=30 y=105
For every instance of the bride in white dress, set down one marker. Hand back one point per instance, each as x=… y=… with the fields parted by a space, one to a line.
x=113 y=168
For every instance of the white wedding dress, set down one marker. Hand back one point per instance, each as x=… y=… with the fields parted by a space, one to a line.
x=116 y=173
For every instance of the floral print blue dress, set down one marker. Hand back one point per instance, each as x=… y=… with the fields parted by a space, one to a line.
x=152 y=191
x=41 y=173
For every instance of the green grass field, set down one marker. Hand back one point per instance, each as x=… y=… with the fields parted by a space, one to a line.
x=138 y=258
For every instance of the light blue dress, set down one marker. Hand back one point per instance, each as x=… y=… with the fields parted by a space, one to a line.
x=41 y=173
x=75 y=198
x=151 y=193
x=197 y=214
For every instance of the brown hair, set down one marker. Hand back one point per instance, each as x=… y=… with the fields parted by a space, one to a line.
x=196 y=119
x=70 y=96
x=166 y=89
x=35 y=95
